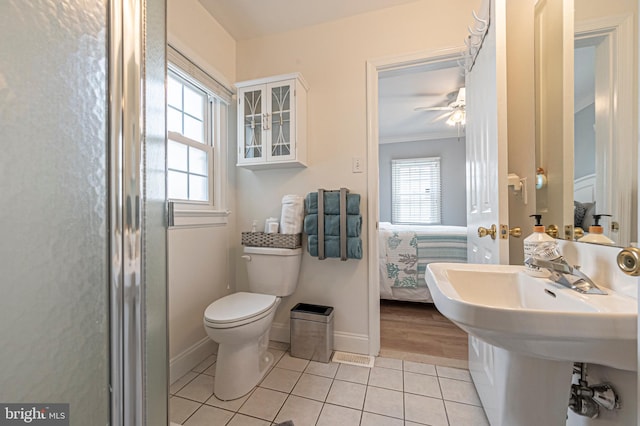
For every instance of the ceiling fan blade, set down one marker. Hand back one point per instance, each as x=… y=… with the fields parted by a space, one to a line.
x=441 y=117
x=447 y=108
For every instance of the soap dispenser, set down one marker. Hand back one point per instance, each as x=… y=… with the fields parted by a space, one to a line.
x=595 y=234
x=534 y=240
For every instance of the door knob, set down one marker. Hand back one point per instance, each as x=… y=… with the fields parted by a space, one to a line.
x=483 y=232
x=515 y=232
x=578 y=233
x=552 y=231
x=629 y=261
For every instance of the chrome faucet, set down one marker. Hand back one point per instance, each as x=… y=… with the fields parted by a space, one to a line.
x=547 y=257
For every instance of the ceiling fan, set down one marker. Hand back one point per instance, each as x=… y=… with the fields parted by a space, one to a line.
x=455 y=110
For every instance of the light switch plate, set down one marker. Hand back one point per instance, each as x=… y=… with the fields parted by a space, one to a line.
x=356 y=165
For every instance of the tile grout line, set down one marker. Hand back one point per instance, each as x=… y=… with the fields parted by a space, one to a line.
x=324 y=400
x=446 y=412
x=404 y=404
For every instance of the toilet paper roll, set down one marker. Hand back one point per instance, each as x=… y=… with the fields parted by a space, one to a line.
x=273 y=227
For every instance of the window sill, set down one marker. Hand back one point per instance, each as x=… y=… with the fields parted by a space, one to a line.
x=183 y=215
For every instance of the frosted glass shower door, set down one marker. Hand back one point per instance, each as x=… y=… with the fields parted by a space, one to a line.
x=54 y=217
x=60 y=246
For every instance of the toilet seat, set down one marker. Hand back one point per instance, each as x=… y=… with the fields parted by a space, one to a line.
x=238 y=309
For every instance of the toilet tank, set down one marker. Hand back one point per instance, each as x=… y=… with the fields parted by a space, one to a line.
x=273 y=271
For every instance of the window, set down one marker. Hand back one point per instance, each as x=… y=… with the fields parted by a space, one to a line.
x=189 y=147
x=415 y=191
x=196 y=125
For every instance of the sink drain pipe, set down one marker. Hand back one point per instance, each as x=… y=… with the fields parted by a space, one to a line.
x=587 y=400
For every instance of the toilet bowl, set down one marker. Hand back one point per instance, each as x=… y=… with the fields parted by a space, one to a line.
x=240 y=322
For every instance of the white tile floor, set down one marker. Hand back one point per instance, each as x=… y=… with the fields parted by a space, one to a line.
x=394 y=392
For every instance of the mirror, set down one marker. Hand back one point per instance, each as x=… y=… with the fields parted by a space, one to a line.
x=586 y=109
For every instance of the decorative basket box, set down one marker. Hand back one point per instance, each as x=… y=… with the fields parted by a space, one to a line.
x=262 y=239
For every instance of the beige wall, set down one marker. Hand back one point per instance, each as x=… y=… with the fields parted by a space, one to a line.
x=594 y=9
x=199 y=266
x=332 y=58
x=192 y=30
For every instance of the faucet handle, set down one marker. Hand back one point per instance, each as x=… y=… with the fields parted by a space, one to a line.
x=547 y=251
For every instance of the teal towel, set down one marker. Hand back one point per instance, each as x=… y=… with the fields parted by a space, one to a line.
x=332 y=203
x=332 y=246
x=332 y=224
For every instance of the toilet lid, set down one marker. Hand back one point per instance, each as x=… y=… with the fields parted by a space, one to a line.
x=238 y=306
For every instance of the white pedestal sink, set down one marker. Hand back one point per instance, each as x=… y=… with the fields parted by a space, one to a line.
x=539 y=328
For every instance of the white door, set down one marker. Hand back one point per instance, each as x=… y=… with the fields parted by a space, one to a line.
x=487 y=202
x=554 y=40
x=486 y=145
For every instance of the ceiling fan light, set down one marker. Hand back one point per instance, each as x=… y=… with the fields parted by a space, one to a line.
x=457 y=117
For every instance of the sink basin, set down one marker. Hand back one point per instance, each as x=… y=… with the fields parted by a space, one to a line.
x=505 y=307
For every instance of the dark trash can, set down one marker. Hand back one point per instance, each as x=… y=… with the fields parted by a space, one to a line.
x=312 y=332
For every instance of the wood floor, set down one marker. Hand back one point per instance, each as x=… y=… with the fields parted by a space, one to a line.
x=420 y=329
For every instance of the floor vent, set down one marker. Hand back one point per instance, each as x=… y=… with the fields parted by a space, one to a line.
x=353 y=359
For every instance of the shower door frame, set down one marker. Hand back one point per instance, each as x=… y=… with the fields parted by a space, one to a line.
x=137 y=212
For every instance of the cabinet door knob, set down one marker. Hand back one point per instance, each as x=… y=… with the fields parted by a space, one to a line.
x=483 y=232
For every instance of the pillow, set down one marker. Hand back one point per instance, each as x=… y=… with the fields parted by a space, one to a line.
x=588 y=216
x=579 y=210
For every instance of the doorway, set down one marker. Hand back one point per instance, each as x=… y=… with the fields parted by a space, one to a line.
x=410 y=100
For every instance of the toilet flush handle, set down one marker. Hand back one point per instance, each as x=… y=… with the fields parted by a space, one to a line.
x=246 y=257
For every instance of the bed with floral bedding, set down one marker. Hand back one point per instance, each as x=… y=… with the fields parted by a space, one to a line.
x=406 y=250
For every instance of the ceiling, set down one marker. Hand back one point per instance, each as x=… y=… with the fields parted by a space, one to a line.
x=245 y=19
x=401 y=91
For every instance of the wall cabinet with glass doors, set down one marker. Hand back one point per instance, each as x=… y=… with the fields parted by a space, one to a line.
x=272 y=118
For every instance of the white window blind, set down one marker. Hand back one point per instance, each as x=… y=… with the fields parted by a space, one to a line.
x=196 y=133
x=415 y=191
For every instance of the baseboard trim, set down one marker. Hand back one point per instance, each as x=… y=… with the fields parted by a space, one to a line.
x=185 y=361
x=342 y=341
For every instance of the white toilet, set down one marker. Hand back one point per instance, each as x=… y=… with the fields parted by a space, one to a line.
x=240 y=322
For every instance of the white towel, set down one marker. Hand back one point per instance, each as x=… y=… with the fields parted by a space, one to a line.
x=292 y=216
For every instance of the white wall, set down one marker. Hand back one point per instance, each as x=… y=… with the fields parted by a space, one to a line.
x=332 y=58
x=199 y=267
